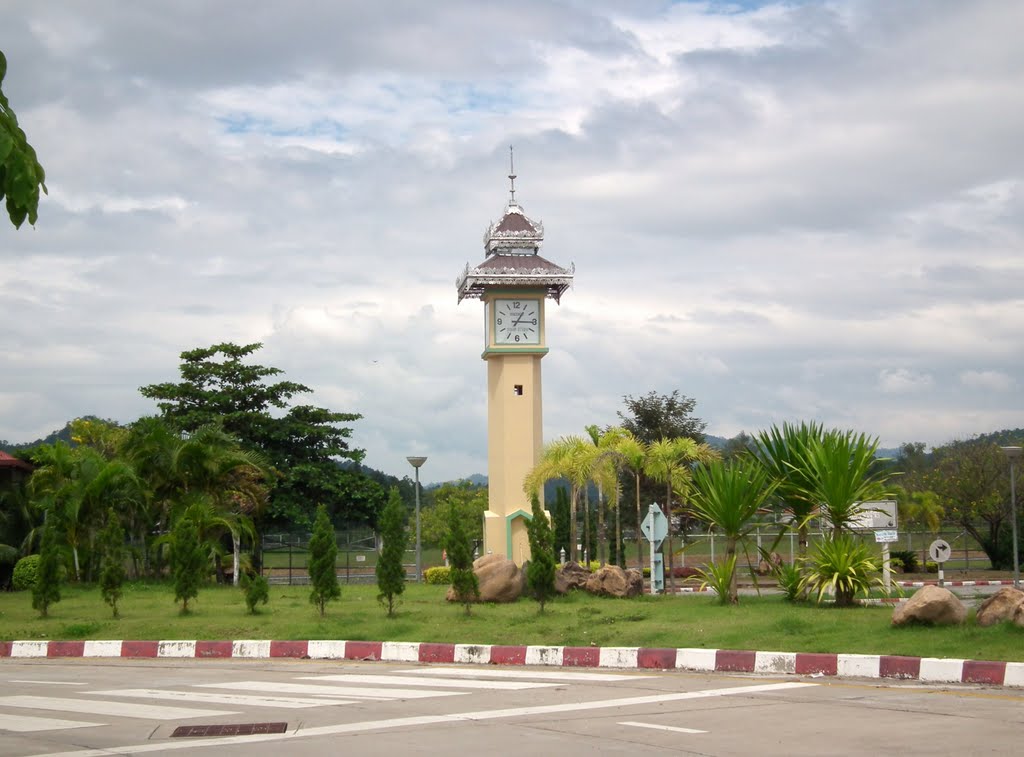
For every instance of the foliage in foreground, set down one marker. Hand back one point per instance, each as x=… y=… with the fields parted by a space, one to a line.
x=323 y=553
x=21 y=176
x=112 y=571
x=465 y=583
x=841 y=565
x=257 y=591
x=390 y=571
x=540 y=574
x=46 y=590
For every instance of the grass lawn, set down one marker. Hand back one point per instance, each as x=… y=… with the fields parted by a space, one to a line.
x=765 y=623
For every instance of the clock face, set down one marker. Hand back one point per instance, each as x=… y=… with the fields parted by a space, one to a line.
x=516 y=322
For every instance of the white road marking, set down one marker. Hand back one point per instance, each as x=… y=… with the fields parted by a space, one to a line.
x=238 y=700
x=52 y=683
x=380 y=725
x=543 y=675
x=26 y=724
x=414 y=681
x=673 y=728
x=105 y=707
x=355 y=692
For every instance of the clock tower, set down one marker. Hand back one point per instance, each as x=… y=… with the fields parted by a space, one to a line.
x=514 y=282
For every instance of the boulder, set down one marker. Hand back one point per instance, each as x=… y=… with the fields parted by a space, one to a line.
x=1000 y=606
x=1018 y=615
x=613 y=581
x=932 y=605
x=571 y=576
x=500 y=578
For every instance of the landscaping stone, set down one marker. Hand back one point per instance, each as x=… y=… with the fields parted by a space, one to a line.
x=613 y=581
x=571 y=576
x=933 y=605
x=1000 y=606
x=501 y=580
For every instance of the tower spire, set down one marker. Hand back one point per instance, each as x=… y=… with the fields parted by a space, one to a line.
x=511 y=177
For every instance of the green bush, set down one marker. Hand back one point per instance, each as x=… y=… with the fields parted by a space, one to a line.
x=842 y=565
x=26 y=570
x=439 y=575
x=908 y=558
x=896 y=564
x=931 y=567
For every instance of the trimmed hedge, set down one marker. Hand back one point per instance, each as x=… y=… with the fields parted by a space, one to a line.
x=439 y=574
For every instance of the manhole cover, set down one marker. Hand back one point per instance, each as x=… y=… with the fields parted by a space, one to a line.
x=228 y=729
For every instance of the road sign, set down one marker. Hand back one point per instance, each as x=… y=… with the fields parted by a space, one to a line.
x=939 y=550
x=655 y=525
x=886 y=536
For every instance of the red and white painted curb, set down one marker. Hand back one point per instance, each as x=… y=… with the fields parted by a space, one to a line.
x=955 y=583
x=924 y=669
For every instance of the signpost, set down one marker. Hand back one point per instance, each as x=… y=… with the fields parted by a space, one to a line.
x=655 y=529
x=939 y=550
x=884 y=537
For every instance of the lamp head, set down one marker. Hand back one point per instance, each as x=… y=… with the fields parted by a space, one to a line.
x=1013 y=454
x=416 y=462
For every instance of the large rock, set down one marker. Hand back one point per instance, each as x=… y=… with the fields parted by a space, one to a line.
x=1000 y=606
x=571 y=576
x=933 y=605
x=613 y=581
x=500 y=578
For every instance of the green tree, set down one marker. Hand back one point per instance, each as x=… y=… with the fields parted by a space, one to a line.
x=560 y=516
x=468 y=498
x=456 y=543
x=540 y=574
x=842 y=473
x=304 y=444
x=112 y=570
x=21 y=176
x=390 y=570
x=256 y=589
x=727 y=497
x=633 y=453
x=669 y=462
x=654 y=416
x=781 y=453
x=571 y=458
x=189 y=562
x=972 y=482
x=46 y=590
x=323 y=555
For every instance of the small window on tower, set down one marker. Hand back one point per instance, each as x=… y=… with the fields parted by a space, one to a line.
x=518 y=390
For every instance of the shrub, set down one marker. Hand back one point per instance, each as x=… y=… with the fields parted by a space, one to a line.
x=895 y=564
x=718 y=576
x=908 y=558
x=789 y=578
x=26 y=570
x=842 y=565
x=257 y=591
x=440 y=575
x=931 y=567
x=540 y=573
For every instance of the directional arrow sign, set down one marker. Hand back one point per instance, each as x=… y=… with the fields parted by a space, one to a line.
x=655 y=525
x=939 y=550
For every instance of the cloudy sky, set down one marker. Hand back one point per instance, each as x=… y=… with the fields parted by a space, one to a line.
x=788 y=211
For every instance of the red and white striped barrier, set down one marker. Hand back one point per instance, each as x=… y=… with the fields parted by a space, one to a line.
x=917 y=584
x=924 y=669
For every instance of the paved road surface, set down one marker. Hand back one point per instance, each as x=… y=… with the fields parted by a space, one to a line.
x=85 y=707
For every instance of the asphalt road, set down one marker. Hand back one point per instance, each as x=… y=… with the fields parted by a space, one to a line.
x=88 y=707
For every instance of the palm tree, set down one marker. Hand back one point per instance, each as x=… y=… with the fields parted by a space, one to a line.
x=633 y=454
x=842 y=473
x=569 y=457
x=668 y=462
x=727 y=497
x=605 y=473
x=780 y=452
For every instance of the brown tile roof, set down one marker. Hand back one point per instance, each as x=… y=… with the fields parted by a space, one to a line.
x=514 y=222
x=9 y=461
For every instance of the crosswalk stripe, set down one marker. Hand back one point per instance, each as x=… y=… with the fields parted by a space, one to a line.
x=354 y=692
x=390 y=680
x=27 y=724
x=544 y=675
x=107 y=707
x=238 y=700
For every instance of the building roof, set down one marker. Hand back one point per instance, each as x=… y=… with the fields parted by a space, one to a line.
x=9 y=461
x=511 y=246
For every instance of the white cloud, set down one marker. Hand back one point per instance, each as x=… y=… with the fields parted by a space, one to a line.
x=902 y=380
x=995 y=381
x=784 y=211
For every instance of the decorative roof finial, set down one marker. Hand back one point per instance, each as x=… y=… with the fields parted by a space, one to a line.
x=511 y=177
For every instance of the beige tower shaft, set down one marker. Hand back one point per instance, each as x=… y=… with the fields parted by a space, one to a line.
x=514 y=442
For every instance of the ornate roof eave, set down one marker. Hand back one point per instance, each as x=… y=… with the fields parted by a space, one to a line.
x=475 y=281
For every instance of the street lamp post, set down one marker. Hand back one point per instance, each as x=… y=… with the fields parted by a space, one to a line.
x=416 y=462
x=1013 y=454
